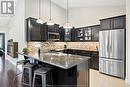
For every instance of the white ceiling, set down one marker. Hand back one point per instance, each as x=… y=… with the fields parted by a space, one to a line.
x=88 y=3
x=4 y=21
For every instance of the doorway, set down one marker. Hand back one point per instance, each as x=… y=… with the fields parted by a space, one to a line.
x=2 y=43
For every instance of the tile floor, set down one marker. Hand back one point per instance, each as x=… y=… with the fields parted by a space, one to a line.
x=101 y=80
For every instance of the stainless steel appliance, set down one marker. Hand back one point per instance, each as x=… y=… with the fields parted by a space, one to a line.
x=55 y=36
x=112 y=52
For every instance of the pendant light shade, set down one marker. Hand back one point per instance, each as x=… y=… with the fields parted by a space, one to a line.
x=67 y=25
x=39 y=20
x=50 y=22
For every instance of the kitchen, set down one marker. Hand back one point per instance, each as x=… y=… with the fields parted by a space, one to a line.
x=82 y=40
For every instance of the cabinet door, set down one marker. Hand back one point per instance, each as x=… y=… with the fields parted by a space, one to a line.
x=35 y=32
x=95 y=33
x=95 y=61
x=119 y=22
x=62 y=34
x=73 y=34
x=53 y=28
x=88 y=34
x=80 y=34
x=44 y=34
x=105 y=24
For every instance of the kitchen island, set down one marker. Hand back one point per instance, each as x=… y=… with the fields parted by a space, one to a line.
x=68 y=70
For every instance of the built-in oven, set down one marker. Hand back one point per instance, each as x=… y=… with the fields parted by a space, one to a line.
x=55 y=36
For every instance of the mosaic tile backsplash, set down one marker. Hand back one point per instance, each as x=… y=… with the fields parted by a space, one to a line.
x=46 y=46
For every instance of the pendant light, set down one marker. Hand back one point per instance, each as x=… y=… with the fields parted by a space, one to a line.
x=50 y=22
x=67 y=25
x=39 y=20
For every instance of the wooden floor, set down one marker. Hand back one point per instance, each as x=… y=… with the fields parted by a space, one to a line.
x=7 y=75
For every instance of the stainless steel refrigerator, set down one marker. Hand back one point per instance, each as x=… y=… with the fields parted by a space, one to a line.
x=112 y=52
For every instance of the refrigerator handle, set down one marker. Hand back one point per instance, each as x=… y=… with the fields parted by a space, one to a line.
x=108 y=44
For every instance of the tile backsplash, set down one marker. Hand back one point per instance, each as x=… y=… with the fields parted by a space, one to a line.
x=33 y=46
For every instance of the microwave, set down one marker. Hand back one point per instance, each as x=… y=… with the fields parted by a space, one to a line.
x=55 y=36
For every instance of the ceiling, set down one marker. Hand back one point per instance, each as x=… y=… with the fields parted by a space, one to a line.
x=89 y=3
x=73 y=3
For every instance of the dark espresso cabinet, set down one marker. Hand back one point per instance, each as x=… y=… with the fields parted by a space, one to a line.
x=35 y=31
x=95 y=32
x=41 y=32
x=117 y=22
x=89 y=33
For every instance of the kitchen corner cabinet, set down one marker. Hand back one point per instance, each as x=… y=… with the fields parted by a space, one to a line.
x=117 y=22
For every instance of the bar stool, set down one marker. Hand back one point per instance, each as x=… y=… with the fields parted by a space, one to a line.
x=42 y=77
x=27 y=76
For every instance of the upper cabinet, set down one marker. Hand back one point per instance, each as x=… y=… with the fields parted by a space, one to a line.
x=89 y=33
x=33 y=30
x=95 y=32
x=41 y=32
x=117 y=22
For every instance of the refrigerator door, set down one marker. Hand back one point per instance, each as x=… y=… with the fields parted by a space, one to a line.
x=112 y=67
x=103 y=44
x=116 y=44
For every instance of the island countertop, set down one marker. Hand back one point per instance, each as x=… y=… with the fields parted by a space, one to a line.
x=61 y=60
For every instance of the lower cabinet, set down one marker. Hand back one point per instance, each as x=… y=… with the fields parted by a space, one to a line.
x=94 y=61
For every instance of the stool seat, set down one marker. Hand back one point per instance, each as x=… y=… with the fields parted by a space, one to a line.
x=42 y=70
x=42 y=77
x=29 y=65
x=22 y=61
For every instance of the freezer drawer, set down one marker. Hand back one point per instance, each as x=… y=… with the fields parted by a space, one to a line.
x=112 y=67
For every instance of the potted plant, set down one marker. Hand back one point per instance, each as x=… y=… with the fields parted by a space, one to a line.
x=25 y=50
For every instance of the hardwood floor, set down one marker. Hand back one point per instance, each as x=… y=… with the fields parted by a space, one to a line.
x=7 y=74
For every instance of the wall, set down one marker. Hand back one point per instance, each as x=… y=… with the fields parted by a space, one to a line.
x=91 y=15
x=128 y=41
x=16 y=29
x=32 y=9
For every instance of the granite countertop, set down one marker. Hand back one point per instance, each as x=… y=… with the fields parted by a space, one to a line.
x=58 y=59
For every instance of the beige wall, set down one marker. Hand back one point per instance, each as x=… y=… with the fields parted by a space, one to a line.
x=90 y=15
